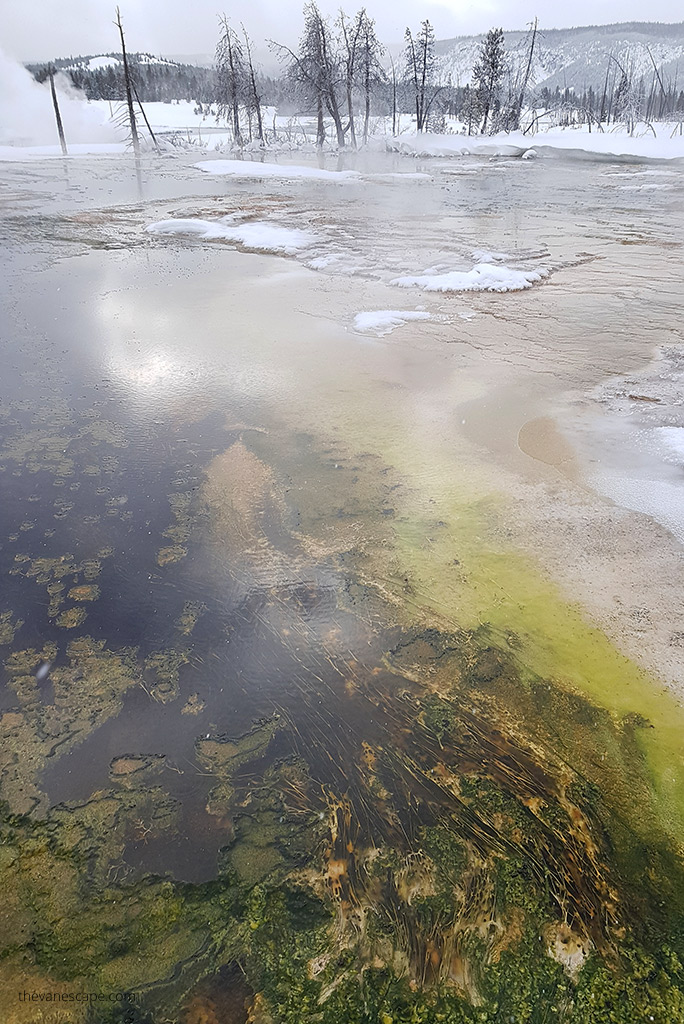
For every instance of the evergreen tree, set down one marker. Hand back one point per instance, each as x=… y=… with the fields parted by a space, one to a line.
x=488 y=76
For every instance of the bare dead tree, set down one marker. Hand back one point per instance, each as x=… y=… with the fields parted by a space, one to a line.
x=659 y=79
x=602 y=112
x=525 y=78
x=394 y=96
x=419 y=59
x=144 y=115
x=350 y=36
x=230 y=76
x=58 y=116
x=254 y=103
x=317 y=67
x=371 y=70
x=129 y=91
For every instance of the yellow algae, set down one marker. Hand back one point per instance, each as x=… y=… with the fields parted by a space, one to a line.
x=72 y=618
x=86 y=692
x=439 y=559
x=169 y=555
x=187 y=620
x=84 y=592
x=8 y=627
x=194 y=705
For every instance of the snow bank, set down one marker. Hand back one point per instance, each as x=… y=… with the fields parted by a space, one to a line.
x=578 y=142
x=256 y=169
x=484 y=277
x=258 y=235
x=383 y=321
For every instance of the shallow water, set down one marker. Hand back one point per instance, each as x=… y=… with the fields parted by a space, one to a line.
x=269 y=507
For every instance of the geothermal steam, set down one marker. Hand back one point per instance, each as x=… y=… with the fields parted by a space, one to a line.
x=27 y=117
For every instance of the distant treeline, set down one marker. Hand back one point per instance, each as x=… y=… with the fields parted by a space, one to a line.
x=154 y=81
x=341 y=74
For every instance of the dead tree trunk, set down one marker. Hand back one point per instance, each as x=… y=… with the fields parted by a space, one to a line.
x=147 y=123
x=129 y=92
x=256 y=99
x=58 y=116
x=526 y=78
x=320 y=126
x=394 y=97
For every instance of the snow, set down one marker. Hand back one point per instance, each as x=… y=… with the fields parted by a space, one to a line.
x=383 y=321
x=95 y=63
x=110 y=61
x=568 y=141
x=17 y=153
x=576 y=57
x=484 y=277
x=673 y=438
x=321 y=262
x=259 y=235
x=486 y=256
x=256 y=169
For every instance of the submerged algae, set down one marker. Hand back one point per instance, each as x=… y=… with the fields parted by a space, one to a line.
x=410 y=846
x=86 y=692
x=411 y=871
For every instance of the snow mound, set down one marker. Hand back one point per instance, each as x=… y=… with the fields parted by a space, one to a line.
x=568 y=142
x=484 y=277
x=383 y=321
x=256 y=169
x=258 y=235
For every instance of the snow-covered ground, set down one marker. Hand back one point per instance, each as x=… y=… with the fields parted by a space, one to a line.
x=664 y=145
x=257 y=169
x=261 y=236
x=27 y=130
x=383 y=321
x=484 y=277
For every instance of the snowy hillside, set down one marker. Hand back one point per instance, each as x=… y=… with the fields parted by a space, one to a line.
x=577 y=57
x=109 y=60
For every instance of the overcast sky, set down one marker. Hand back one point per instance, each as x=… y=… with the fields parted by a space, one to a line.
x=40 y=29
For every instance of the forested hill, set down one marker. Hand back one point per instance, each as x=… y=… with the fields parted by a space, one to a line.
x=100 y=77
x=577 y=58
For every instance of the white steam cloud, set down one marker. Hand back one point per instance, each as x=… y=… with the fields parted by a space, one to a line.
x=27 y=117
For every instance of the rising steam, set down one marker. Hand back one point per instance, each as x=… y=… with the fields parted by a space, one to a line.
x=26 y=113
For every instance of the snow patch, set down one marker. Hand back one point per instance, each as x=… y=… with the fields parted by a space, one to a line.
x=383 y=321
x=673 y=438
x=259 y=235
x=256 y=169
x=484 y=277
